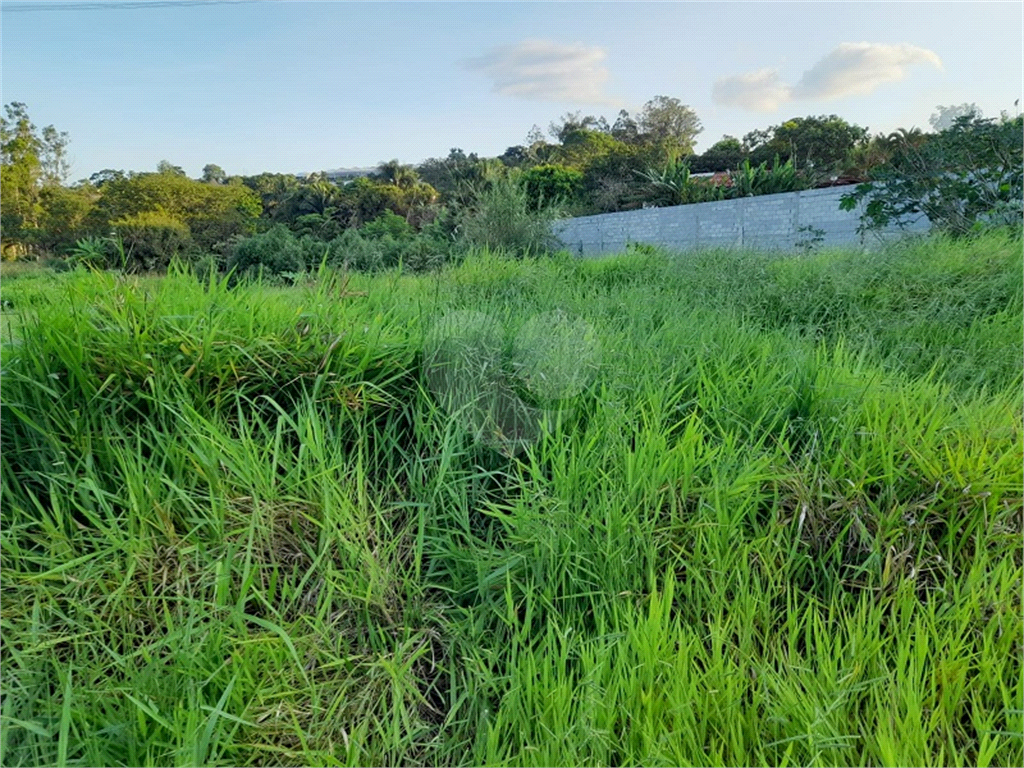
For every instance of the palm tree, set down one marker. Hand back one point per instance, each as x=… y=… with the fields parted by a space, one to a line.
x=401 y=175
x=904 y=139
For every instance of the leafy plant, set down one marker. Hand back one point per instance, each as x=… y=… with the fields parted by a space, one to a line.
x=782 y=521
x=811 y=238
x=388 y=224
x=749 y=180
x=274 y=253
x=91 y=252
x=966 y=178
x=501 y=217
x=152 y=239
x=547 y=184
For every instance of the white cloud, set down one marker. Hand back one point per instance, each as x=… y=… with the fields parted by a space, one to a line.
x=851 y=69
x=857 y=69
x=760 y=91
x=544 y=70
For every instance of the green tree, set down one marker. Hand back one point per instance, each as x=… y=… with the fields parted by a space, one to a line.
x=53 y=155
x=100 y=178
x=517 y=156
x=613 y=181
x=547 y=184
x=667 y=121
x=625 y=128
x=388 y=224
x=20 y=175
x=213 y=213
x=573 y=122
x=273 y=189
x=167 y=167
x=65 y=215
x=30 y=160
x=449 y=175
x=581 y=147
x=214 y=174
x=726 y=154
x=151 y=239
x=968 y=177
x=399 y=174
x=817 y=145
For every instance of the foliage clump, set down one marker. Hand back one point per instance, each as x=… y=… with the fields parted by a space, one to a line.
x=967 y=178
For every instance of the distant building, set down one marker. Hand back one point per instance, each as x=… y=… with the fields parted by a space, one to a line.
x=340 y=174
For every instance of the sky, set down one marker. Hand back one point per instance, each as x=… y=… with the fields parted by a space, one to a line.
x=293 y=87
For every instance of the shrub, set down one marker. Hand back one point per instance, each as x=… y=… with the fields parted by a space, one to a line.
x=748 y=180
x=388 y=224
x=501 y=218
x=547 y=184
x=97 y=252
x=151 y=239
x=966 y=178
x=275 y=253
x=351 y=250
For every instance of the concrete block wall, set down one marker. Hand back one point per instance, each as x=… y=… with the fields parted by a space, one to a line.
x=767 y=222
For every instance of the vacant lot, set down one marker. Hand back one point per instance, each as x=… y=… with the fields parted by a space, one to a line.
x=720 y=509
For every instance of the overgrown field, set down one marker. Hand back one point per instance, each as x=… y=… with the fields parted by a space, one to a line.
x=717 y=509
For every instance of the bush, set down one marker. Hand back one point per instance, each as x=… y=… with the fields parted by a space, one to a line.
x=95 y=252
x=351 y=250
x=151 y=239
x=278 y=254
x=275 y=253
x=546 y=184
x=415 y=252
x=967 y=178
x=388 y=224
x=502 y=218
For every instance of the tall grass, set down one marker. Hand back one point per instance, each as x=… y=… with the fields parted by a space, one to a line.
x=781 y=523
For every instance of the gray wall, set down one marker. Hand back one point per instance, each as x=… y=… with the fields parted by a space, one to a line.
x=767 y=222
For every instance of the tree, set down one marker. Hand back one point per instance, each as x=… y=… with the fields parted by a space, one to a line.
x=214 y=174
x=612 y=181
x=151 y=239
x=369 y=199
x=100 y=178
x=65 y=215
x=726 y=154
x=516 y=156
x=213 y=213
x=399 y=174
x=53 y=155
x=459 y=177
x=20 y=173
x=579 y=148
x=625 y=128
x=667 y=121
x=448 y=173
x=272 y=188
x=818 y=145
x=30 y=160
x=571 y=122
x=166 y=167
x=967 y=177
x=550 y=184
x=944 y=117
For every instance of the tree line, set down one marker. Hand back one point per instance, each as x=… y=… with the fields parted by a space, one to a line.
x=583 y=164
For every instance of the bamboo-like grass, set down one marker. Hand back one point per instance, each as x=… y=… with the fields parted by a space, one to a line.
x=781 y=524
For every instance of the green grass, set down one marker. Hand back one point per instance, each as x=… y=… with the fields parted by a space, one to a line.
x=780 y=524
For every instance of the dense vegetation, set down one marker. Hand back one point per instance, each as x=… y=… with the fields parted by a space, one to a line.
x=424 y=216
x=772 y=514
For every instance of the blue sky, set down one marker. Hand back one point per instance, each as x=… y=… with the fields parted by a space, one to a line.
x=292 y=86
